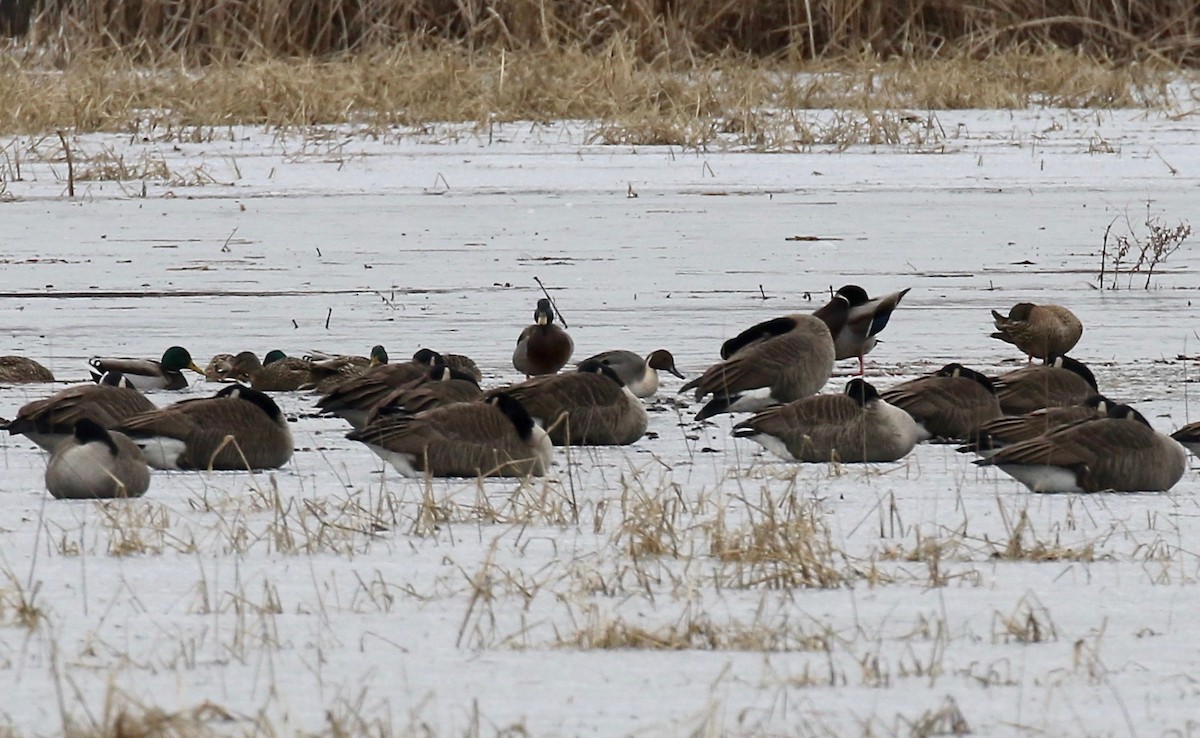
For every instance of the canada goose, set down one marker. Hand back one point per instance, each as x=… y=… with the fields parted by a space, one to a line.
x=855 y=426
x=20 y=370
x=542 y=348
x=96 y=463
x=238 y=428
x=639 y=375
x=284 y=374
x=50 y=421
x=1189 y=437
x=328 y=370
x=146 y=374
x=466 y=439
x=1120 y=452
x=587 y=407
x=1060 y=381
x=441 y=386
x=791 y=359
x=353 y=399
x=952 y=403
x=1008 y=429
x=463 y=364
x=219 y=367
x=1038 y=330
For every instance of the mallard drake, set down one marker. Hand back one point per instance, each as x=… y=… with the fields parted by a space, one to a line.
x=1060 y=381
x=1009 y=429
x=441 y=386
x=148 y=374
x=280 y=374
x=952 y=403
x=238 y=428
x=588 y=407
x=1038 y=330
x=20 y=370
x=542 y=348
x=50 y=421
x=467 y=439
x=1119 y=453
x=855 y=320
x=791 y=359
x=639 y=375
x=856 y=426
x=95 y=463
x=354 y=398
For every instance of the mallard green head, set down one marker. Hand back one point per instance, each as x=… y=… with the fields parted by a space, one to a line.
x=273 y=356
x=177 y=358
x=378 y=355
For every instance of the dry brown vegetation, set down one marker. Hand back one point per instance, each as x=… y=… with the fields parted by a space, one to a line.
x=653 y=71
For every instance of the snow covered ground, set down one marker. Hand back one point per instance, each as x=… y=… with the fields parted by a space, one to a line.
x=688 y=584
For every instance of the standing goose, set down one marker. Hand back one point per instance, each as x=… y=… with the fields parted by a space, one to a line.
x=20 y=370
x=542 y=348
x=639 y=375
x=1120 y=452
x=1060 y=381
x=94 y=463
x=587 y=407
x=1010 y=429
x=50 y=421
x=354 y=398
x=148 y=374
x=238 y=428
x=855 y=426
x=792 y=357
x=281 y=373
x=1038 y=330
x=467 y=439
x=441 y=386
x=952 y=403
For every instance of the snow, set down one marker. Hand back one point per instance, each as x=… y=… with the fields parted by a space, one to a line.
x=335 y=591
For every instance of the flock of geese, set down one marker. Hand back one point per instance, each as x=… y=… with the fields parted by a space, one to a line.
x=1046 y=425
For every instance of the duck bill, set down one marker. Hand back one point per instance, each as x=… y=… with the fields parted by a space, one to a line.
x=195 y=368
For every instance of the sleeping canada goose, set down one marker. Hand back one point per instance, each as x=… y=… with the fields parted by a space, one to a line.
x=792 y=357
x=855 y=426
x=1120 y=452
x=1060 y=381
x=94 y=463
x=542 y=348
x=328 y=370
x=353 y=399
x=639 y=375
x=1038 y=330
x=238 y=428
x=147 y=374
x=441 y=386
x=952 y=403
x=280 y=374
x=1009 y=429
x=50 y=421
x=587 y=407
x=463 y=364
x=466 y=439
x=1189 y=436
x=20 y=370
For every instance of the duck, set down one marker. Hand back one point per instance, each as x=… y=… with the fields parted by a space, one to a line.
x=588 y=407
x=148 y=374
x=1120 y=452
x=96 y=463
x=855 y=426
x=855 y=320
x=22 y=370
x=493 y=438
x=353 y=399
x=792 y=358
x=443 y=385
x=236 y=429
x=328 y=370
x=50 y=421
x=219 y=367
x=1038 y=330
x=542 y=348
x=952 y=403
x=280 y=373
x=1061 y=381
x=639 y=375
x=1009 y=429
x=1189 y=437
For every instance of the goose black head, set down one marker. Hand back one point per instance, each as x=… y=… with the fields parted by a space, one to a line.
x=515 y=412
x=259 y=399
x=591 y=366
x=428 y=357
x=1072 y=365
x=861 y=391
x=955 y=369
x=89 y=431
x=1125 y=412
